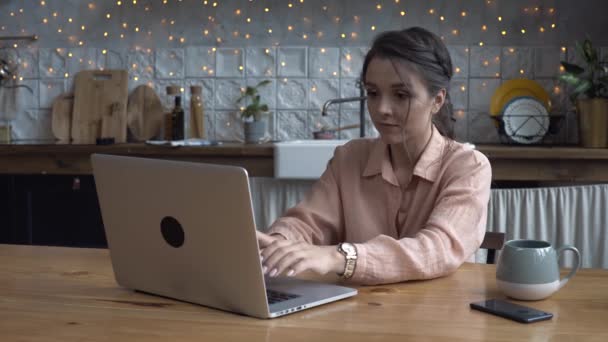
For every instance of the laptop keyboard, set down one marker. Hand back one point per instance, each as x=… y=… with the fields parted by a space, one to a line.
x=276 y=296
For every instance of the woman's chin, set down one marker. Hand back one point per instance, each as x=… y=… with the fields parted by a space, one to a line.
x=390 y=139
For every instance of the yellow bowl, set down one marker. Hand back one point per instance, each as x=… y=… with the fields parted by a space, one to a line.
x=517 y=88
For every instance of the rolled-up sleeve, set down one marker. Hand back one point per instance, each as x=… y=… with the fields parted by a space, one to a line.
x=453 y=232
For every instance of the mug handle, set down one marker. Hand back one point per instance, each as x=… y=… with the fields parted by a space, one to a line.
x=559 y=251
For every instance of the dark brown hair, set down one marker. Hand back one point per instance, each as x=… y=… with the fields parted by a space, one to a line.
x=427 y=54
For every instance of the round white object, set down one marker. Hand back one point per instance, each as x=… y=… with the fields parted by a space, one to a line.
x=526 y=120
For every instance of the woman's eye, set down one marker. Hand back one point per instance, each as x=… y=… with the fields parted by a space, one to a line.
x=403 y=96
x=371 y=93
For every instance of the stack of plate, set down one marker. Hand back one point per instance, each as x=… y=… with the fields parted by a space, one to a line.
x=524 y=109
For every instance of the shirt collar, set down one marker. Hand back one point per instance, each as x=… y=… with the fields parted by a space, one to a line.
x=427 y=167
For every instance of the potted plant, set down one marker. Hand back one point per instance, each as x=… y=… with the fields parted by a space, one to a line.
x=254 y=114
x=589 y=92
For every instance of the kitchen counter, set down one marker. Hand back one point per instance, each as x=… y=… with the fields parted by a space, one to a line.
x=509 y=163
x=75 y=159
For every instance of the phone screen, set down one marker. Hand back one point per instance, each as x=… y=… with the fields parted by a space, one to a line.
x=512 y=311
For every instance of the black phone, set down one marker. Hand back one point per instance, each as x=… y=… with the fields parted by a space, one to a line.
x=512 y=311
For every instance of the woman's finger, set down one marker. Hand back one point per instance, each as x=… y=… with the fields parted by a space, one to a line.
x=272 y=259
x=291 y=256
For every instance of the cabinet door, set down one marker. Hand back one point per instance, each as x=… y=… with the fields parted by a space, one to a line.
x=58 y=211
x=7 y=209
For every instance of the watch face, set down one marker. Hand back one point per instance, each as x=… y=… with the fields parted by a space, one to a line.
x=348 y=248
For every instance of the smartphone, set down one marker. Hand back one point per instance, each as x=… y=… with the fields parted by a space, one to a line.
x=512 y=311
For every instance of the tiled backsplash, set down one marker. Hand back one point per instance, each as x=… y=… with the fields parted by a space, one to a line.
x=303 y=78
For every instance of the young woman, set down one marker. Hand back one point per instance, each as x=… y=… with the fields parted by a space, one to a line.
x=410 y=204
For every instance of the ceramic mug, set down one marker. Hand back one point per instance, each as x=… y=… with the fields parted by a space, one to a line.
x=529 y=269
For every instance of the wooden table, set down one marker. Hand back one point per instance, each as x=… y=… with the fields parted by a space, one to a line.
x=62 y=294
x=509 y=163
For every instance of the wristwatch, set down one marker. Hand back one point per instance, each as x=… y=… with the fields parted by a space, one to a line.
x=350 y=253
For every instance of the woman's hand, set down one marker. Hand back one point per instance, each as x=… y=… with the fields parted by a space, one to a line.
x=293 y=257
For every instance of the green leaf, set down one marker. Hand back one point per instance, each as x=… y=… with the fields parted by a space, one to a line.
x=582 y=87
x=263 y=83
x=589 y=52
x=569 y=79
x=264 y=108
x=572 y=68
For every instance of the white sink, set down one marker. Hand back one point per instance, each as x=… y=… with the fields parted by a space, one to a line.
x=303 y=159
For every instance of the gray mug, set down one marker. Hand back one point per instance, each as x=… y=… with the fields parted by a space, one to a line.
x=529 y=269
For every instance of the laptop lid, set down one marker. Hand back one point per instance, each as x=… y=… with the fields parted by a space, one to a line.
x=168 y=236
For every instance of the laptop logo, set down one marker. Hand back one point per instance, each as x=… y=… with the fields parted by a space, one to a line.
x=172 y=231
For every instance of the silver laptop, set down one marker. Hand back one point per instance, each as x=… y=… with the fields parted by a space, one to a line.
x=186 y=231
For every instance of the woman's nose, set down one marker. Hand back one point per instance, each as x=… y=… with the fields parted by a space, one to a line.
x=384 y=107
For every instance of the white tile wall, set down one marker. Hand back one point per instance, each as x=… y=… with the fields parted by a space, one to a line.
x=261 y=62
x=230 y=62
x=547 y=61
x=485 y=61
x=140 y=63
x=169 y=63
x=227 y=91
x=112 y=58
x=292 y=124
x=200 y=61
x=292 y=93
x=33 y=124
x=49 y=90
x=303 y=78
x=292 y=62
x=459 y=93
x=517 y=62
x=480 y=93
x=351 y=60
x=322 y=90
x=52 y=62
x=28 y=62
x=324 y=62
x=460 y=60
x=81 y=59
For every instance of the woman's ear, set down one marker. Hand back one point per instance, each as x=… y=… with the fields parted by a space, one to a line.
x=438 y=100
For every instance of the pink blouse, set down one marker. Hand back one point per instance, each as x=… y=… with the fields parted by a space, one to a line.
x=424 y=231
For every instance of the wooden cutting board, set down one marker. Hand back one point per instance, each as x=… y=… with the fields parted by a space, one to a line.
x=144 y=113
x=61 y=114
x=100 y=106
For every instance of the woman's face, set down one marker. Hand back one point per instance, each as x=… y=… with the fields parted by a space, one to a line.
x=393 y=89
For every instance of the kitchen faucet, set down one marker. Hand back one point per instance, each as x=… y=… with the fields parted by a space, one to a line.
x=361 y=98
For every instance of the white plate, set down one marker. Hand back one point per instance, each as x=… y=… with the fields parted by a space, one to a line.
x=526 y=120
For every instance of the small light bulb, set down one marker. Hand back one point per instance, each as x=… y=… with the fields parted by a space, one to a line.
x=463 y=14
x=504 y=33
x=373 y=28
x=523 y=31
x=480 y=43
x=499 y=18
x=402 y=13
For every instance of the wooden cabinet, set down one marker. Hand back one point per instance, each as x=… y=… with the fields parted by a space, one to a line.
x=55 y=210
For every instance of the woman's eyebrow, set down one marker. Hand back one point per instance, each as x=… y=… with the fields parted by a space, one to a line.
x=394 y=85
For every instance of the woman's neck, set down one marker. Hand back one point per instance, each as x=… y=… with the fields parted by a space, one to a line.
x=404 y=158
